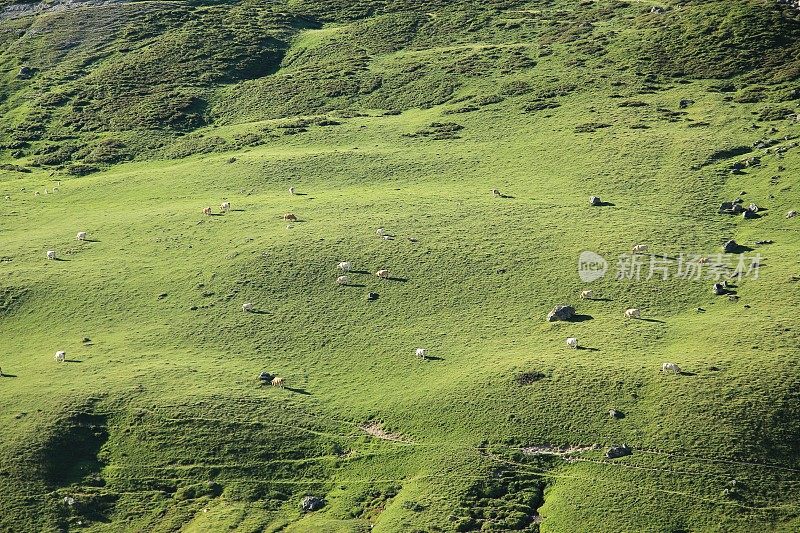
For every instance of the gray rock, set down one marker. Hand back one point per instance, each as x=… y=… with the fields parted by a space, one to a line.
x=311 y=503
x=737 y=209
x=265 y=376
x=613 y=413
x=685 y=103
x=730 y=247
x=372 y=296
x=25 y=72
x=616 y=452
x=594 y=201
x=719 y=289
x=561 y=312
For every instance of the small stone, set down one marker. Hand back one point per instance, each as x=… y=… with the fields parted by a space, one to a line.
x=561 y=312
x=616 y=452
x=311 y=503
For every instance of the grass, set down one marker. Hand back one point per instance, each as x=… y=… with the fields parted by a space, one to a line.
x=158 y=422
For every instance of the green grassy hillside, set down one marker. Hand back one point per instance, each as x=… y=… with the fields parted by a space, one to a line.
x=132 y=117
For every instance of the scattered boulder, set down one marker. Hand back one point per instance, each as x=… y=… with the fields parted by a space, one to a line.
x=616 y=452
x=749 y=214
x=372 y=296
x=613 y=413
x=265 y=377
x=561 y=313
x=311 y=503
x=791 y=214
x=719 y=289
x=594 y=201
x=25 y=72
x=685 y=103
x=730 y=247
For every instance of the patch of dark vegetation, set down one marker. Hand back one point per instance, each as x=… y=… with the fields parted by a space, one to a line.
x=207 y=489
x=532 y=107
x=726 y=153
x=507 y=500
x=82 y=170
x=439 y=131
x=14 y=168
x=528 y=378
x=633 y=103
x=10 y=299
x=773 y=113
x=590 y=127
x=370 y=504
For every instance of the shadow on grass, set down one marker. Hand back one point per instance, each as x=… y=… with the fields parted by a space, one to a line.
x=401 y=280
x=91 y=240
x=606 y=204
x=684 y=373
x=237 y=210
x=73 y=361
x=653 y=320
x=257 y=312
x=433 y=358
x=580 y=318
x=298 y=391
x=359 y=272
x=357 y=285
x=588 y=348
x=600 y=299
x=59 y=259
x=8 y=376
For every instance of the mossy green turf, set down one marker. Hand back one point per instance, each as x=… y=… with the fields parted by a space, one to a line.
x=159 y=423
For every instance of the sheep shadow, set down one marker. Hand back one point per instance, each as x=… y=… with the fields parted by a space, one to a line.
x=685 y=373
x=357 y=285
x=600 y=299
x=606 y=204
x=740 y=249
x=59 y=259
x=298 y=391
x=433 y=358
x=91 y=240
x=215 y=214
x=8 y=376
x=401 y=280
x=73 y=361
x=588 y=348
x=581 y=318
x=237 y=210
x=359 y=272
x=301 y=194
x=654 y=320
x=507 y=196
x=258 y=312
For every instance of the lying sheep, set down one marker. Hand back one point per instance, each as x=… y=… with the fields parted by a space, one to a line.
x=380 y=232
x=383 y=273
x=342 y=280
x=345 y=266
x=248 y=307
x=633 y=313
x=81 y=236
x=51 y=254
x=791 y=214
x=290 y=217
x=587 y=295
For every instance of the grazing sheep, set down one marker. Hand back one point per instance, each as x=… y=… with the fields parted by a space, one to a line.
x=633 y=313
x=291 y=190
x=36 y=193
x=342 y=280
x=790 y=214
x=290 y=217
x=587 y=295
x=703 y=261
x=8 y=197
x=380 y=232
x=671 y=367
x=496 y=193
x=225 y=206
x=207 y=211
x=639 y=249
x=383 y=273
x=572 y=342
x=248 y=307
x=60 y=356
x=277 y=382
x=51 y=254
x=345 y=266
x=421 y=352
x=81 y=236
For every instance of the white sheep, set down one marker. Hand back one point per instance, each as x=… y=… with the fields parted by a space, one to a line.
x=291 y=190
x=225 y=206
x=383 y=273
x=60 y=356
x=572 y=342
x=671 y=367
x=248 y=307
x=587 y=295
x=380 y=232
x=639 y=249
x=345 y=266
x=342 y=280
x=633 y=313
x=790 y=214
x=51 y=254
x=81 y=236
x=421 y=352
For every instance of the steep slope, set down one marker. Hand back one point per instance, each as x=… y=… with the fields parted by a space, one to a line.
x=402 y=115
